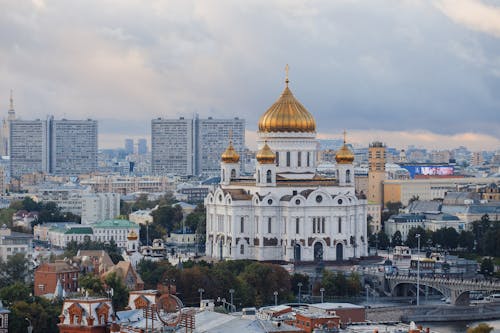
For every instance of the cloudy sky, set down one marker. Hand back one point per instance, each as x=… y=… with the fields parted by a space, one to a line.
x=399 y=71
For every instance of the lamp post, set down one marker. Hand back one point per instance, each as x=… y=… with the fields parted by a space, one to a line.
x=322 y=291
x=201 y=291
x=231 y=291
x=275 y=298
x=418 y=268
x=300 y=290
x=30 y=327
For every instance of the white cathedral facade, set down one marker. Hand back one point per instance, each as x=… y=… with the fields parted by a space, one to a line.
x=286 y=212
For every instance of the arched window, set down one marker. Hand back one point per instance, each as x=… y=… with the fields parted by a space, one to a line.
x=223 y=174
x=242 y=249
x=308 y=159
x=348 y=176
x=299 y=159
x=258 y=176
x=269 y=176
x=297 y=225
x=233 y=173
x=340 y=225
x=287 y=158
x=242 y=224
x=277 y=158
x=269 y=222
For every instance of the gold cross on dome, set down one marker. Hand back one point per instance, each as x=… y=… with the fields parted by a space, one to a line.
x=287 y=68
x=345 y=133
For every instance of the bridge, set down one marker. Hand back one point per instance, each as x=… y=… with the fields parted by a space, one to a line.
x=457 y=290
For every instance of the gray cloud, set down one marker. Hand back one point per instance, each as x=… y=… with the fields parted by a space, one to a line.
x=385 y=65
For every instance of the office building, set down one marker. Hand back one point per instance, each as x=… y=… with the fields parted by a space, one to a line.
x=62 y=147
x=376 y=172
x=129 y=146
x=99 y=207
x=192 y=146
x=142 y=147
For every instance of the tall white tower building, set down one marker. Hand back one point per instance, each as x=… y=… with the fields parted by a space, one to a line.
x=286 y=211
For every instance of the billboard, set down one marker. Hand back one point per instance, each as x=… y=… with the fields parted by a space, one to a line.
x=429 y=170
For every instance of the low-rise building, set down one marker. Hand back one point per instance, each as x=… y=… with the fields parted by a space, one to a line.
x=429 y=221
x=12 y=242
x=142 y=216
x=60 y=235
x=116 y=230
x=47 y=276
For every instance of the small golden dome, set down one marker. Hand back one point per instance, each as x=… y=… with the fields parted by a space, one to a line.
x=344 y=155
x=230 y=155
x=287 y=114
x=265 y=155
x=132 y=235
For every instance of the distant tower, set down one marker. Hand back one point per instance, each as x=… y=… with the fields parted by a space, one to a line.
x=5 y=139
x=129 y=146
x=376 y=172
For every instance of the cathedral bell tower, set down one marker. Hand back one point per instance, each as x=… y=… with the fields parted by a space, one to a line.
x=229 y=166
x=345 y=168
x=266 y=167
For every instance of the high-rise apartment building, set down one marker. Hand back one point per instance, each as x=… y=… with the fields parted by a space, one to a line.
x=193 y=146
x=212 y=139
x=73 y=146
x=63 y=147
x=172 y=146
x=142 y=147
x=29 y=142
x=129 y=146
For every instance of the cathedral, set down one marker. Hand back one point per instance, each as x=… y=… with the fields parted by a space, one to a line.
x=286 y=211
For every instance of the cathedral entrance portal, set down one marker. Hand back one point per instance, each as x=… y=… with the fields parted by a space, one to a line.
x=340 y=252
x=318 y=251
x=296 y=252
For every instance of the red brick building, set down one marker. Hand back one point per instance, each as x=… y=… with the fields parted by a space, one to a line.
x=309 y=321
x=47 y=275
x=348 y=313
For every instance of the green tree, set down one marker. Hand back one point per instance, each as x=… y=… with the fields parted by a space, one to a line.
x=466 y=240
x=481 y=328
x=14 y=292
x=120 y=291
x=15 y=269
x=487 y=267
x=411 y=239
x=91 y=283
x=168 y=217
x=42 y=313
x=397 y=239
x=391 y=208
x=383 y=240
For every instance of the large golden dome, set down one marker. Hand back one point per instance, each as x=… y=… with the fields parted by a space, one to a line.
x=230 y=155
x=287 y=115
x=344 y=155
x=265 y=155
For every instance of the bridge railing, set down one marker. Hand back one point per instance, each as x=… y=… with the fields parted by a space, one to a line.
x=487 y=284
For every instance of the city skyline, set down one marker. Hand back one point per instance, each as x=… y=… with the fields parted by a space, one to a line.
x=428 y=75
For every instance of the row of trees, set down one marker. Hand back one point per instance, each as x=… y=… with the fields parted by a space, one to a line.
x=483 y=239
x=167 y=217
x=254 y=283
x=110 y=247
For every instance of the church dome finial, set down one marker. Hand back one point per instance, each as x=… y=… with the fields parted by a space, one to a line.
x=287 y=114
x=344 y=155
